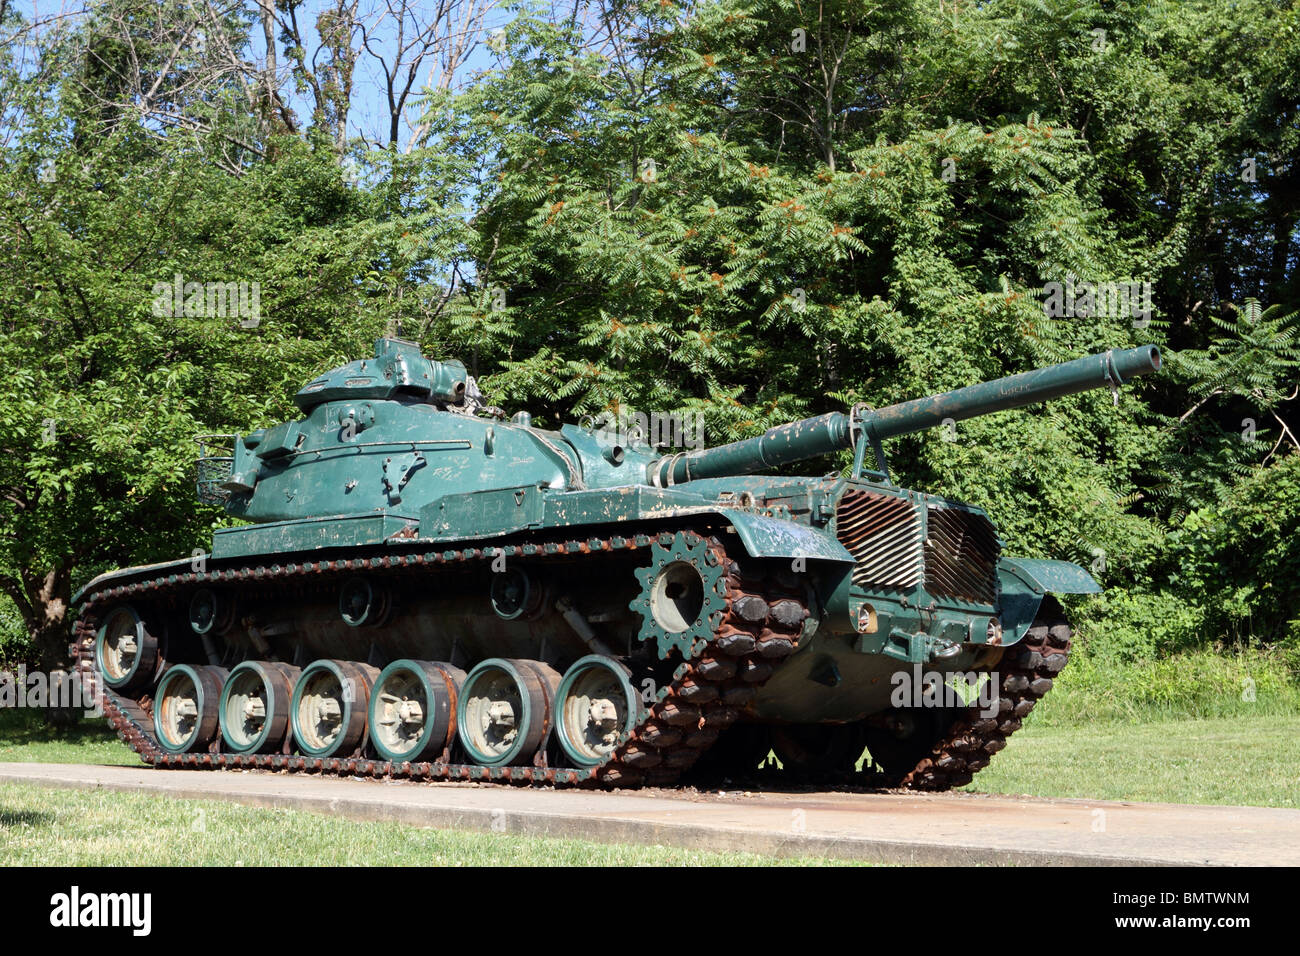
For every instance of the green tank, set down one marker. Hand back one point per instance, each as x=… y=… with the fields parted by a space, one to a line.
x=423 y=588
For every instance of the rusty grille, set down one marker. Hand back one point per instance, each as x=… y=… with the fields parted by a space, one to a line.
x=883 y=533
x=961 y=555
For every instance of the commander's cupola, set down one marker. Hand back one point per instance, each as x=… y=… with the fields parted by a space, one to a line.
x=398 y=370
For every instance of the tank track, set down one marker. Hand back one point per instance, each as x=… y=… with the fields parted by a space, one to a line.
x=703 y=698
x=1027 y=670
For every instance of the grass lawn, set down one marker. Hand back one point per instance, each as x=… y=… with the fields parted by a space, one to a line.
x=1239 y=761
x=42 y=826
x=53 y=827
x=26 y=738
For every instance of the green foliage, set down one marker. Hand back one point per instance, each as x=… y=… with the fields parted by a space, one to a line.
x=15 y=642
x=760 y=212
x=1198 y=684
x=1240 y=558
x=1132 y=627
x=105 y=389
x=697 y=268
x=742 y=208
x=1253 y=355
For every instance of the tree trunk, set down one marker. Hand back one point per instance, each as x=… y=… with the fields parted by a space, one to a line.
x=44 y=600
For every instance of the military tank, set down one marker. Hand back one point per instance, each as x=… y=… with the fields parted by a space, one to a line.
x=423 y=588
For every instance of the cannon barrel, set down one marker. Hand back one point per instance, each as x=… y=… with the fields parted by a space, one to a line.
x=822 y=434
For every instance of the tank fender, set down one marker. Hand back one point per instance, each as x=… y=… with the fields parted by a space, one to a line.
x=482 y=514
x=1023 y=583
x=765 y=537
x=1056 y=577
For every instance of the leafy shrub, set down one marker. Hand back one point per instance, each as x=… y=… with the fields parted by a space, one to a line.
x=15 y=644
x=1122 y=626
x=1241 y=557
x=1195 y=684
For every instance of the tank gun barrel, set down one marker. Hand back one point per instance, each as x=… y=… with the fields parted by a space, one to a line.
x=833 y=431
x=1105 y=369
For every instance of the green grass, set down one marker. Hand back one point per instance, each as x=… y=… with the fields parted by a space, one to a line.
x=25 y=737
x=1199 y=726
x=1249 y=761
x=52 y=827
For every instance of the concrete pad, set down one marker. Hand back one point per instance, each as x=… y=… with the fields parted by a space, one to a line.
x=952 y=828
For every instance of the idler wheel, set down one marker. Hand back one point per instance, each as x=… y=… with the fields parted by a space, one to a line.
x=503 y=716
x=255 y=705
x=413 y=709
x=126 y=653
x=598 y=708
x=330 y=703
x=186 y=706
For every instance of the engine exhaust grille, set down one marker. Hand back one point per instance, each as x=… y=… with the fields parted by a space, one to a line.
x=961 y=555
x=883 y=532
